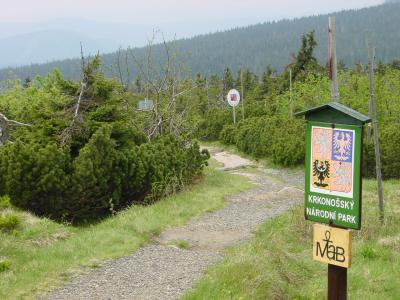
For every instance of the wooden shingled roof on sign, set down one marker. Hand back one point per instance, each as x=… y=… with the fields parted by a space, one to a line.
x=334 y=113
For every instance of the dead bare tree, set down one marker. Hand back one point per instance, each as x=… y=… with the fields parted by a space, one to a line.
x=118 y=58
x=4 y=128
x=374 y=118
x=67 y=133
x=124 y=79
x=160 y=80
x=176 y=120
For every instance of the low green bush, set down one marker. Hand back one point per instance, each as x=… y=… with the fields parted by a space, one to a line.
x=389 y=140
x=368 y=163
x=390 y=145
x=9 y=223
x=288 y=148
x=283 y=141
x=369 y=252
x=216 y=121
x=280 y=139
x=101 y=179
x=213 y=122
x=5 y=202
x=35 y=177
x=228 y=134
x=5 y=265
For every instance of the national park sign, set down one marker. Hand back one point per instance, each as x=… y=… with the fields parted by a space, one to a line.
x=333 y=174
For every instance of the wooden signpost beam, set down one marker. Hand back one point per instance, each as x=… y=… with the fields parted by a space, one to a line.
x=337 y=283
x=337 y=276
x=333 y=246
x=332 y=59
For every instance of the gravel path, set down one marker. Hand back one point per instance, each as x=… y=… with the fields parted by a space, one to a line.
x=161 y=271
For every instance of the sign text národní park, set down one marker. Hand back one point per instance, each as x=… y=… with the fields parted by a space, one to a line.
x=333 y=160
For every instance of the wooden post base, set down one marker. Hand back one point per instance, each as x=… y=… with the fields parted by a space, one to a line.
x=337 y=283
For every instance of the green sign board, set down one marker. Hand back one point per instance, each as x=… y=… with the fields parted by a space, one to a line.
x=333 y=175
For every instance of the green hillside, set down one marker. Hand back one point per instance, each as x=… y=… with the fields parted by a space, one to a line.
x=259 y=45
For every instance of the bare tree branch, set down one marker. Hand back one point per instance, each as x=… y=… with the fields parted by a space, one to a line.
x=78 y=103
x=121 y=80
x=4 y=124
x=128 y=73
x=13 y=122
x=68 y=132
x=161 y=79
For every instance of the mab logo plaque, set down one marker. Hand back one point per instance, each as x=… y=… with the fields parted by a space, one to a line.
x=332 y=245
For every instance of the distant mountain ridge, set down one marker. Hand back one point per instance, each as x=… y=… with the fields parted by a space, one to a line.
x=18 y=40
x=61 y=39
x=259 y=45
x=46 y=46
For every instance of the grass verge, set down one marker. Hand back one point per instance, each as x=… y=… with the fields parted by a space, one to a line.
x=42 y=254
x=277 y=263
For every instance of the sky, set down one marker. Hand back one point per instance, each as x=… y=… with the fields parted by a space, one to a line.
x=154 y=12
x=105 y=25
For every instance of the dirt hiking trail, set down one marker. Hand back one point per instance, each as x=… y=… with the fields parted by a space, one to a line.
x=161 y=271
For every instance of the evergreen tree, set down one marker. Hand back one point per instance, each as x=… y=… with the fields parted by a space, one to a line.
x=200 y=81
x=266 y=80
x=27 y=82
x=228 y=82
x=138 y=84
x=250 y=81
x=395 y=64
x=305 y=59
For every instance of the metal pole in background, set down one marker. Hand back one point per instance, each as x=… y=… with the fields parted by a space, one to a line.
x=234 y=115
x=208 y=96
x=332 y=59
x=241 y=83
x=376 y=134
x=291 y=94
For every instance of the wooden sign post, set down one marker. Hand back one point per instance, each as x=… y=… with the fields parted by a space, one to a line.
x=333 y=187
x=333 y=246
